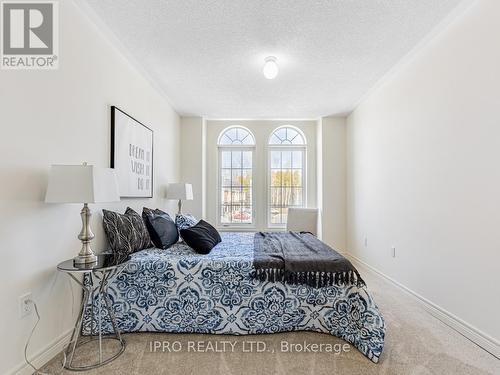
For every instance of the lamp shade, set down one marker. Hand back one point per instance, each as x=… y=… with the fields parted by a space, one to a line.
x=81 y=184
x=180 y=191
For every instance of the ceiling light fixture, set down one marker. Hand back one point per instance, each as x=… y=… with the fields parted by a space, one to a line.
x=270 y=68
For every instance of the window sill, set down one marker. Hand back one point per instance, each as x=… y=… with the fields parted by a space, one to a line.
x=233 y=228
x=249 y=229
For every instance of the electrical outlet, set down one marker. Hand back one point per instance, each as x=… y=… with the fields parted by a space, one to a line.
x=393 y=251
x=25 y=306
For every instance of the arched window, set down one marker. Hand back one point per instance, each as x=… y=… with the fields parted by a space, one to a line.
x=236 y=149
x=287 y=173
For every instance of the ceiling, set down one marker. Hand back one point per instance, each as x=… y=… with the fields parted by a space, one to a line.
x=207 y=56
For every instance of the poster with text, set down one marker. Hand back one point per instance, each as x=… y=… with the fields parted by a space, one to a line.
x=131 y=155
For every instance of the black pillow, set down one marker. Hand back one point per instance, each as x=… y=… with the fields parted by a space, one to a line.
x=202 y=237
x=148 y=211
x=161 y=228
x=126 y=232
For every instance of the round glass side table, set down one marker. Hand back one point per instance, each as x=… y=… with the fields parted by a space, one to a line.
x=107 y=268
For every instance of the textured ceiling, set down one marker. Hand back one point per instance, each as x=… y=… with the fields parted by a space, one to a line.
x=207 y=55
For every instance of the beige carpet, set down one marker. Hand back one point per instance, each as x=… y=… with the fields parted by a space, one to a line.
x=416 y=343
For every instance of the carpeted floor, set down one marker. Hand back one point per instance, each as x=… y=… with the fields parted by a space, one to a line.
x=416 y=343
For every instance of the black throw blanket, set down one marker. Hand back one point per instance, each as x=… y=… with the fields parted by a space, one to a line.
x=300 y=258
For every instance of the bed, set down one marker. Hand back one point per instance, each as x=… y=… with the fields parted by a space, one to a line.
x=178 y=290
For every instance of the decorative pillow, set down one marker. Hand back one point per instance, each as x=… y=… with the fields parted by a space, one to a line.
x=161 y=228
x=202 y=237
x=149 y=211
x=183 y=221
x=127 y=232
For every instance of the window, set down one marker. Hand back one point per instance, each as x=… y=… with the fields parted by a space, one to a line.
x=236 y=149
x=287 y=163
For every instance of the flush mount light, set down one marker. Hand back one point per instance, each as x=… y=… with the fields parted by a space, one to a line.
x=270 y=69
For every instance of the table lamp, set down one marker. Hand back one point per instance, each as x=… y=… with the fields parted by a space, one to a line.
x=180 y=191
x=82 y=184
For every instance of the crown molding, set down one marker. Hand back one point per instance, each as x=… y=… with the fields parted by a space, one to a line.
x=454 y=16
x=117 y=44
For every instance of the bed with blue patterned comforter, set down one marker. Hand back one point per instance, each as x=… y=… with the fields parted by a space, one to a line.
x=177 y=290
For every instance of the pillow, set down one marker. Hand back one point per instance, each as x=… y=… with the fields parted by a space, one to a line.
x=127 y=232
x=202 y=237
x=149 y=211
x=185 y=221
x=161 y=228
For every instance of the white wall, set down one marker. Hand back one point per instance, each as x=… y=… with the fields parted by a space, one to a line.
x=63 y=116
x=424 y=172
x=193 y=163
x=261 y=130
x=333 y=181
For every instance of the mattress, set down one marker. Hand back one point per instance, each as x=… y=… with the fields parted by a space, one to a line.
x=177 y=290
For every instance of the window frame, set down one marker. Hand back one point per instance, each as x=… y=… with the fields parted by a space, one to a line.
x=234 y=147
x=285 y=147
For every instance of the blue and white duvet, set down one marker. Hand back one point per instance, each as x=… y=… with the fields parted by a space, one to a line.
x=177 y=290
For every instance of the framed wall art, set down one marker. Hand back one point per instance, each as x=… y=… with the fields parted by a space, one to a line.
x=131 y=155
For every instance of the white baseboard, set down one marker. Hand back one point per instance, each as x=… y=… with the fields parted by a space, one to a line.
x=44 y=355
x=478 y=337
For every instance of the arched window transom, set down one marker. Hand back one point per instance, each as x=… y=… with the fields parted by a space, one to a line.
x=236 y=136
x=287 y=136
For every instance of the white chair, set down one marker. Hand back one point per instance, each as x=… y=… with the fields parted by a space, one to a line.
x=303 y=220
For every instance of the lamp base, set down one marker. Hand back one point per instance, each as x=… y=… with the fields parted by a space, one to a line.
x=86 y=255
x=85 y=259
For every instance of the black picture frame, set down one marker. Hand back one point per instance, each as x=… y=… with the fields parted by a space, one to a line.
x=124 y=164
